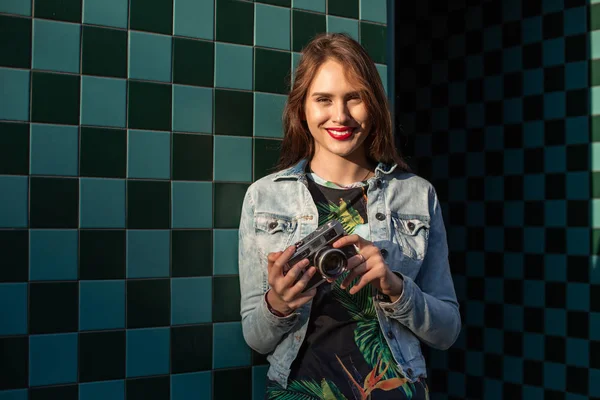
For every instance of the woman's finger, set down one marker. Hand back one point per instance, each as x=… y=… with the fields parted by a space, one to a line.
x=358 y=271
x=297 y=289
x=302 y=299
x=364 y=280
x=281 y=260
x=350 y=239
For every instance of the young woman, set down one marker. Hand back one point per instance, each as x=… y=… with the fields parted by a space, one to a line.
x=358 y=336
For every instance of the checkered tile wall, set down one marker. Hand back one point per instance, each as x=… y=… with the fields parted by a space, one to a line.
x=500 y=104
x=129 y=132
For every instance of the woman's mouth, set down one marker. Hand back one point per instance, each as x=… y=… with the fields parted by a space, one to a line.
x=340 y=133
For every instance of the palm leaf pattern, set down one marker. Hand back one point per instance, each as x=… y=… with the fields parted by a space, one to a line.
x=347 y=215
x=306 y=390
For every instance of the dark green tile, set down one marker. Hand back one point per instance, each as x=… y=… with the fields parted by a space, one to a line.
x=148 y=303
x=101 y=356
x=229 y=103
x=595 y=241
x=283 y=3
x=305 y=27
x=63 y=10
x=272 y=71
x=343 y=8
x=235 y=21
x=595 y=72
x=192 y=157
x=104 y=52
x=149 y=106
x=226 y=298
x=595 y=128
x=191 y=253
x=103 y=152
x=143 y=213
x=193 y=62
x=259 y=359
x=224 y=390
x=266 y=155
x=151 y=15
x=14 y=246
x=14 y=372
x=596 y=185
x=54 y=203
x=55 y=98
x=14 y=148
x=191 y=348
x=53 y=307
x=228 y=204
x=374 y=39
x=16 y=51
x=595 y=17
x=102 y=254
x=156 y=388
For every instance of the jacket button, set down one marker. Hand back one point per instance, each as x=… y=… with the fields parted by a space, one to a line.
x=390 y=310
x=378 y=183
x=384 y=253
x=380 y=216
x=273 y=225
x=390 y=335
x=411 y=226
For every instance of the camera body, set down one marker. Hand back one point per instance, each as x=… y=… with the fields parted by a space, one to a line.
x=317 y=248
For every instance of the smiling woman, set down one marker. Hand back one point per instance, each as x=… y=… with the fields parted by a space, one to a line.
x=342 y=186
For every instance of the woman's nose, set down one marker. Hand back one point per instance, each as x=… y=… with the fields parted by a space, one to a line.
x=341 y=114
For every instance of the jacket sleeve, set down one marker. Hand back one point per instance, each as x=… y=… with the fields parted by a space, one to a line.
x=262 y=330
x=428 y=305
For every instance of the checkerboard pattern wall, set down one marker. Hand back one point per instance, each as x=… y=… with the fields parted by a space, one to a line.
x=500 y=104
x=129 y=133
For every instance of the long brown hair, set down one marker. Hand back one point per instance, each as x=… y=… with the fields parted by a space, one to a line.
x=298 y=143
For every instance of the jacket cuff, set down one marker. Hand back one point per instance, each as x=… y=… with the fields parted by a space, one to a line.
x=273 y=320
x=403 y=304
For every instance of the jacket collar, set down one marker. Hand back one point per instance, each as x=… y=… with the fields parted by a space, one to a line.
x=297 y=171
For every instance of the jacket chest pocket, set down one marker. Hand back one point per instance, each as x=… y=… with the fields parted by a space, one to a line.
x=273 y=232
x=412 y=234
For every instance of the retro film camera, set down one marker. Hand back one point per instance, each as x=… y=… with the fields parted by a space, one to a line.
x=317 y=247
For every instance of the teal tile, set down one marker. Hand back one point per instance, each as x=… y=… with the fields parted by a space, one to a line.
x=192 y=109
x=259 y=381
x=233 y=169
x=191 y=300
x=233 y=66
x=106 y=12
x=373 y=10
x=56 y=45
x=272 y=27
x=342 y=25
x=194 y=18
x=19 y=7
x=114 y=390
x=101 y=305
x=148 y=253
x=382 y=69
x=52 y=359
x=13 y=202
x=149 y=56
x=195 y=385
x=268 y=109
x=229 y=347
x=102 y=203
x=192 y=205
x=14 y=318
x=149 y=154
x=225 y=250
x=14 y=394
x=14 y=96
x=53 y=255
x=54 y=150
x=148 y=351
x=103 y=101
x=312 y=5
x=595 y=100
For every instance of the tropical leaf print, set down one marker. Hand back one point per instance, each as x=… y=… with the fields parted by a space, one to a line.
x=330 y=391
x=348 y=216
x=306 y=390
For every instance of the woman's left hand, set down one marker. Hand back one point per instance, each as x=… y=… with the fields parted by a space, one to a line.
x=371 y=267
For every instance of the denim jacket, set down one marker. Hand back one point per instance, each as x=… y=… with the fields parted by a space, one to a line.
x=405 y=223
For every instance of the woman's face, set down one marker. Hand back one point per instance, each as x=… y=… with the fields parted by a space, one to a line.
x=336 y=116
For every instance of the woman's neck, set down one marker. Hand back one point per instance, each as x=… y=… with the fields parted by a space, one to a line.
x=340 y=170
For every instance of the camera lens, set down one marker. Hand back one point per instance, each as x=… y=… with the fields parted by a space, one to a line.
x=331 y=262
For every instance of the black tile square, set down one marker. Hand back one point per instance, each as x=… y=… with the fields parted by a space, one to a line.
x=534 y=161
x=577 y=103
x=554 y=78
x=15 y=52
x=148 y=303
x=102 y=254
x=235 y=21
x=226 y=298
x=456 y=360
x=492 y=13
x=555 y=349
x=578 y=157
x=533 y=108
x=492 y=62
x=474 y=338
x=474 y=387
x=266 y=155
x=151 y=15
x=232 y=102
x=494 y=316
x=343 y=8
x=53 y=307
x=578 y=324
x=474 y=90
x=259 y=359
x=511 y=34
x=14 y=362
x=64 y=10
x=577 y=380
x=103 y=152
x=531 y=8
x=282 y=3
x=494 y=163
x=473 y=42
x=555 y=186
x=513 y=84
x=578 y=269
x=533 y=372
x=513 y=291
x=144 y=214
x=191 y=253
x=533 y=319
x=228 y=199
x=552 y=25
x=223 y=390
x=101 y=356
x=272 y=70
x=192 y=157
x=193 y=62
x=595 y=354
x=14 y=247
x=576 y=48
x=14 y=148
x=494 y=112
x=69 y=392
x=373 y=37
x=513 y=187
x=191 y=348
x=54 y=202
x=535 y=268
x=513 y=136
x=493 y=365
x=104 y=52
x=149 y=106
x=494 y=214
x=55 y=98
x=554 y=132
x=556 y=239
x=157 y=388
x=534 y=213
x=578 y=213
x=532 y=55
x=512 y=391
x=305 y=26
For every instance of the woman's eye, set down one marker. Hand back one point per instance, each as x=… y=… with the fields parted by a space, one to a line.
x=322 y=99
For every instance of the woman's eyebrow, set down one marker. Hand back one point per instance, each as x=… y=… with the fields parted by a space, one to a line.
x=324 y=94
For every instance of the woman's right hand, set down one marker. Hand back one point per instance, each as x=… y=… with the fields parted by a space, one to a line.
x=285 y=294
